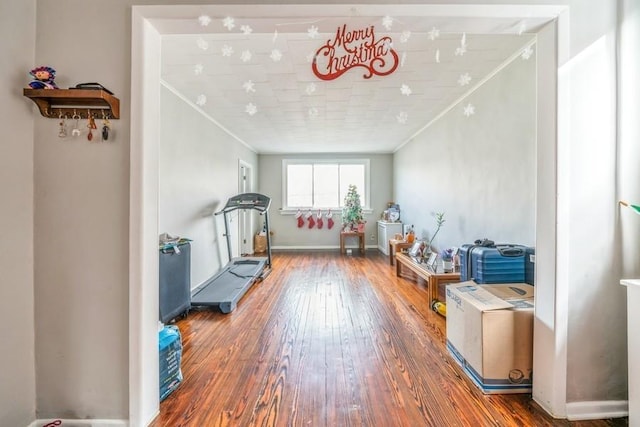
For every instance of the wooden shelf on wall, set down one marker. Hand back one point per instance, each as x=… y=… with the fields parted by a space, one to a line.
x=55 y=103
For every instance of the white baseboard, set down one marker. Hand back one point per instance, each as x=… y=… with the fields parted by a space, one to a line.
x=315 y=248
x=597 y=410
x=81 y=423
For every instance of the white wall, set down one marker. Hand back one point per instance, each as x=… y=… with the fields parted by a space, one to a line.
x=629 y=136
x=481 y=176
x=286 y=232
x=589 y=175
x=82 y=221
x=17 y=387
x=198 y=173
x=595 y=299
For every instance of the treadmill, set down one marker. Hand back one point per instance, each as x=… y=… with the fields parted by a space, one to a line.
x=225 y=289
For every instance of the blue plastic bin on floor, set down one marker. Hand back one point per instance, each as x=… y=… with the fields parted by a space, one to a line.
x=170 y=346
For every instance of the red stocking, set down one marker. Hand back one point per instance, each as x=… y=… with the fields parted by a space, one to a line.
x=319 y=220
x=330 y=220
x=299 y=219
x=312 y=222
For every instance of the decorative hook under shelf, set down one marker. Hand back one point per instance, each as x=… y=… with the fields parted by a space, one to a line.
x=54 y=103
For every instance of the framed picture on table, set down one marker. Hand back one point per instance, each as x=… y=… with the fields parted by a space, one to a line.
x=432 y=262
x=415 y=250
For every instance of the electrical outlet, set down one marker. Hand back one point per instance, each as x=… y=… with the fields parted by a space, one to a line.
x=373 y=237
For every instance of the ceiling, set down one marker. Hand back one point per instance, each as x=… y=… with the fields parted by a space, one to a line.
x=252 y=75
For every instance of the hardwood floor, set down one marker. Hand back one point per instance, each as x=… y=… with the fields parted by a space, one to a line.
x=332 y=340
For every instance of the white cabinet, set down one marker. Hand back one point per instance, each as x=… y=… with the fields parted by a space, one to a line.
x=386 y=231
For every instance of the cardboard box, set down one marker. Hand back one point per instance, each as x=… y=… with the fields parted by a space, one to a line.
x=490 y=334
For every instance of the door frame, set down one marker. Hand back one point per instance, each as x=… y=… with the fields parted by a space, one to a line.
x=550 y=388
x=245 y=217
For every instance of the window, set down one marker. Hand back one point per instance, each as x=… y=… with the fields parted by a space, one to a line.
x=322 y=184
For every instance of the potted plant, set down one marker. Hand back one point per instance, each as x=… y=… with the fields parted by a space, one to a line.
x=439 y=222
x=352 y=217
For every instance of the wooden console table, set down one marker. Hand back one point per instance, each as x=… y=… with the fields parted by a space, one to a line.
x=396 y=245
x=433 y=278
x=346 y=234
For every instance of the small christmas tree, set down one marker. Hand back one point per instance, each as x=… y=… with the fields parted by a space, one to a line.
x=352 y=209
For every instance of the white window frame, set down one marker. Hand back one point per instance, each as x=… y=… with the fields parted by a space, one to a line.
x=336 y=209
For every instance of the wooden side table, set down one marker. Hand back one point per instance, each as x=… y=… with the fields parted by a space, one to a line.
x=433 y=278
x=396 y=245
x=346 y=234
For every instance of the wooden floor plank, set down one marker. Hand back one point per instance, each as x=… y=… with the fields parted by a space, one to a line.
x=333 y=340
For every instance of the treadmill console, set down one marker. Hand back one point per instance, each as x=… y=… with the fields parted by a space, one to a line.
x=248 y=201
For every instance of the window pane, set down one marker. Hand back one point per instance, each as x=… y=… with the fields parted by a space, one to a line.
x=299 y=186
x=352 y=174
x=325 y=181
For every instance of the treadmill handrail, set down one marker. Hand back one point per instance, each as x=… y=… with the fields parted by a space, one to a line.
x=247 y=201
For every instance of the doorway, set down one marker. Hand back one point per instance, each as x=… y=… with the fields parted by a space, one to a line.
x=245 y=220
x=143 y=274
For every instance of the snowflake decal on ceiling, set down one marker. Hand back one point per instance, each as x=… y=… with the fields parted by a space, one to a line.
x=433 y=34
x=469 y=110
x=227 y=50
x=202 y=44
x=251 y=109
x=246 y=30
x=248 y=86
x=404 y=37
x=229 y=23
x=387 y=22
x=276 y=55
x=246 y=56
x=312 y=32
x=201 y=100
x=311 y=88
x=313 y=112
x=311 y=56
x=198 y=69
x=405 y=90
x=522 y=28
x=402 y=117
x=463 y=46
x=527 y=52
x=464 y=79
x=204 y=20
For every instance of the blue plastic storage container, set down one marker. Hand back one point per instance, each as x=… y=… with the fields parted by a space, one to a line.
x=170 y=349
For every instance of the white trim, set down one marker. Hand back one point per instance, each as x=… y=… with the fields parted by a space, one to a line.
x=143 y=381
x=597 y=410
x=552 y=133
x=315 y=248
x=82 y=423
x=144 y=404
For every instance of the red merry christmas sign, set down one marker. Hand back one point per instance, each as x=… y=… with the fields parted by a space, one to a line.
x=355 y=48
